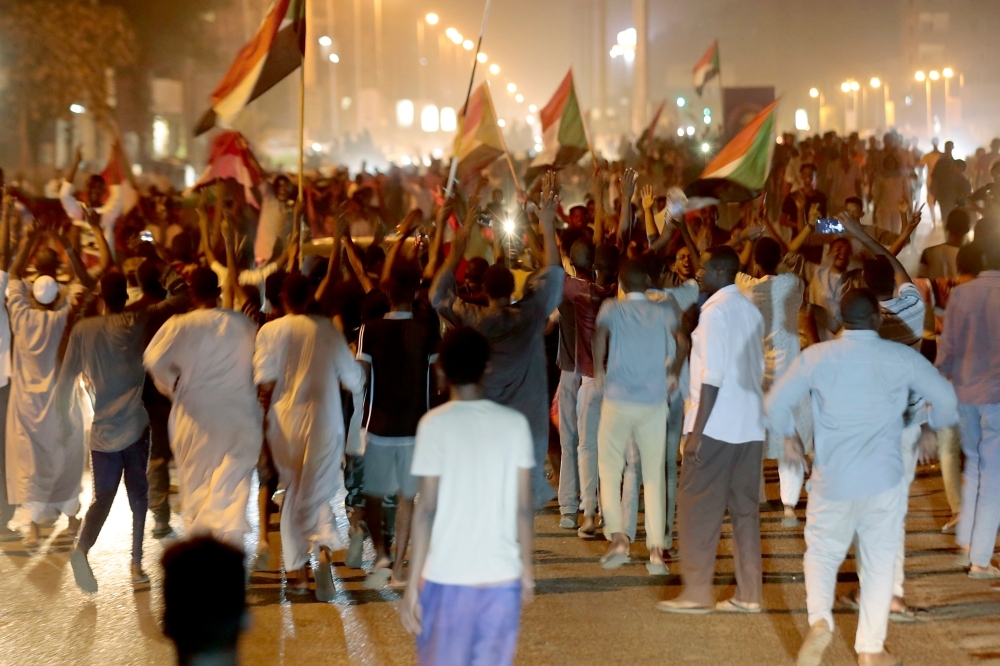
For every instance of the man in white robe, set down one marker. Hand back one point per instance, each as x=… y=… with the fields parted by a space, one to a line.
x=203 y=362
x=45 y=454
x=299 y=365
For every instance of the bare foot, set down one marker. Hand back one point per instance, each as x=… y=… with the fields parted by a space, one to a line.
x=74 y=526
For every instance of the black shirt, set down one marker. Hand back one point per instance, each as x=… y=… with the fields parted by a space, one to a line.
x=399 y=351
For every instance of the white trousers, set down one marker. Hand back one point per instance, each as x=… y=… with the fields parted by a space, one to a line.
x=830 y=527
x=791 y=476
x=43 y=512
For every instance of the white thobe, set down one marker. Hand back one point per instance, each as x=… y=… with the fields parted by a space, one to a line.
x=203 y=362
x=308 y=359
x=44 y=466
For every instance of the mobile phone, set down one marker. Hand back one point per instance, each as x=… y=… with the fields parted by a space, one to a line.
x=829 y=225
x=146 y=236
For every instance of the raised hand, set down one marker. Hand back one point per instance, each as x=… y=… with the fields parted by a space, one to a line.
x=647 y=197
x=629 y=179
x=548 y=200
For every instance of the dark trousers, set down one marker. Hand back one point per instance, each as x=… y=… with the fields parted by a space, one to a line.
x=158 y=474
x=6 y=510
x=728 y=477
x=108 y=469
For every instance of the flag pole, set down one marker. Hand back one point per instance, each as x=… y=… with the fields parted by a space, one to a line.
x=302 y=149
x=465 y=107
x=503 y=144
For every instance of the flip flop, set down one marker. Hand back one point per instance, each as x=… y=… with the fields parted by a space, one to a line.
x=355 y=550
x=657 y=569
x=82 y=572
x=396 y=584
x=8 y=536
x=614 y=560
x=377 y=578
x=731 y=606
x=682 y=607
x=991 y=573
x=849 y=601
x=905 y=616
x=325 y=589
x=263 y=561
x=587 y=534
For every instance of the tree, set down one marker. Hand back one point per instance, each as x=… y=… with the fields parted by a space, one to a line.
x=57 y=53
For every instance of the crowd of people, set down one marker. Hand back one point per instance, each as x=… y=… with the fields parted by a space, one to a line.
x=420 y=351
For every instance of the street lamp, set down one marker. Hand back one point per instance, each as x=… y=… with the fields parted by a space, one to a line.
x=817 y=95
x=923 y=78
x=494 y=69
x=948 y=73
x=432 y=19
x=934 y=75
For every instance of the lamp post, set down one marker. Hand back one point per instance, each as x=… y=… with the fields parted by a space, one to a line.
x=921 y=77
x=876 y=83
x=948 y=73
x=817 y=94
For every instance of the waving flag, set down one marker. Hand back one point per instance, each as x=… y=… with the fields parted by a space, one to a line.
x=746 y=160
x=480 y=141
x=116 y=172
x=274 y=52
x=230 y=157
x=707 y=68
x=564 y=138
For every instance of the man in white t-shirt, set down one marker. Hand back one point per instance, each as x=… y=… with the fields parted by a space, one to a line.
x=473 y=526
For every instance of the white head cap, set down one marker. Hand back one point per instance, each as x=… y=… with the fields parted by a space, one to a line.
x=45 y=289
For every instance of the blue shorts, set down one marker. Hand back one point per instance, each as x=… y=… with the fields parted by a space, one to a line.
x=469 y=626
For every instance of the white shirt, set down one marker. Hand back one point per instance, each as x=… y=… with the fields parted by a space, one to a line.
x=727 y=351
x=859 y=386
x=779 y=299
x=476 y=449
x=109 y=212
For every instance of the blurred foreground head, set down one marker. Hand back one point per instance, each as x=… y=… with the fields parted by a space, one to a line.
x=204 y=600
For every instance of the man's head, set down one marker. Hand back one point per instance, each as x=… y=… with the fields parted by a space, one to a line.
x=948 y=147
x=958 y=224
x=204 y=597
x=374 y=259
x=402 y=286
x=719 y=266
x=498 y=282
x=45 y=290
x=47 y=262
x=934 y=142
x=767 y=255
x=148 y=277
x=97 y=189
x=683 y=265
x=860 y=311
x=581 y=255
x=854 y=207
x=808 y=171
x=296 y=292
x=182 y=247
x=969 y=260
x=633 y=276
x=606 y=259
x=463 y=356
x=114 y=292
x=879 y=277
x=205 y=287
x=474 y=272
x=578 y=217
x=841 y=251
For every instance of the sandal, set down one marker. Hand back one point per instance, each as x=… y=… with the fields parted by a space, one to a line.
x=904 y=616
x=991 y=573
x=850 y=600
x=614 y=560
x=683 y=607
x=733 y=606
x=377 y=578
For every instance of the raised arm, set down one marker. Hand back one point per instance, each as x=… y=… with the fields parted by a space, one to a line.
x=628 y=190
x=103 y=250
x=232 y=291
x=405 y=229
x=77 y=158
x=76 y=264
x=546 y=216
x=333 y=267
x=8 y=212
x=358 y=266
x=647 y=214
x=434 y=254
x=854 y=229
x=598 y=186
x=904 y=238
x=205 y=240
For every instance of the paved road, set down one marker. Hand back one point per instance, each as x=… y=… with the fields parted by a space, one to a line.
x=583 y=615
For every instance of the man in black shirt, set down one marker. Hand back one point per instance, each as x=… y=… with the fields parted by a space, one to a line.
x=796 y=207
x=397 y=351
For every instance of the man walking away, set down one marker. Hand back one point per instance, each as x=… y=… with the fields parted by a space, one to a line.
x=473 y=527
x=725 y=442
x=859 y=385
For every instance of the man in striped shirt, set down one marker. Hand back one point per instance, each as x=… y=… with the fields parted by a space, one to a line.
x=903 y=312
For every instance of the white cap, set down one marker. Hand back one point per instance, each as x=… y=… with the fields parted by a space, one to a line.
x=45 y=289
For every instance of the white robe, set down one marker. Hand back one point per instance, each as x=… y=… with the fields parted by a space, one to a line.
x=203 y=362
x=308 y=359
x=44 y=467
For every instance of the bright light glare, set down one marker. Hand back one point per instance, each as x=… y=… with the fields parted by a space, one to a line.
x=508 y=226
x=628 y=37
x=317 y=147
x=948 y=72
x=468 y=45
x=432 y=18
x=457 y=37
x=405 y=113
x=920 y=76
x=707 y=120
x=814 y=93
x=680 y=131
x=76 y=108
x=502 y=123
x=934 y=75
x=875 y=82
x=705 y=147
x=530 y=120
x=801 y=120
x=855 y=86
x=845 y=86
x=494 y=69
x=532 y=108
x=681 y=101
x=325 y=41
x=518 y=98
x=334 y=58
x=429 y=118
x=450 y=33
x=616 y=51
x=449 y=121
x=690 y=130
x=511 y=88
x=481 y=57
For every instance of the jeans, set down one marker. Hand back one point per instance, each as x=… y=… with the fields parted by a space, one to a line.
x=569 y=440
x=675 y=423
x=6 y=510
x=980 y=517
x=108 y=469
x=588 y=411
x=468 y=625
